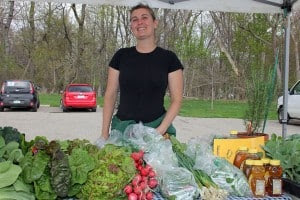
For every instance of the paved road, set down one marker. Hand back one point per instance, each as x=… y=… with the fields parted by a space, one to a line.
x=55 y=124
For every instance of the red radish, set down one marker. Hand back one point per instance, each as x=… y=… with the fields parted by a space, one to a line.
x=132 y=196
x=137 y=190
x=143 y=196
x=140 y=167
x=138 y=177
x=151 y=174
x=143 y=185
x=144 y=172
x=145 y=179
x=149 y=196
x=128 y=189
x=141 y=153
x=148 y=167
x=135 y=156
x=141 y=162
x=135 y=182
x=152 y=183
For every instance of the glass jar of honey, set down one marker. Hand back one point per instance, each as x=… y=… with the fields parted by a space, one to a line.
x=257 y=179
x=233 y=134
x=266 y=164
x=240 y=157
x=252 y=154
x=274 y=184
x=247 y=167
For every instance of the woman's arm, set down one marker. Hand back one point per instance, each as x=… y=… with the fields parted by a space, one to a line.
x=175 y=81
x=110 y=97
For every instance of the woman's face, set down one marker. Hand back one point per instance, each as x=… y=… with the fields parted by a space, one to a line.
x=142 y=24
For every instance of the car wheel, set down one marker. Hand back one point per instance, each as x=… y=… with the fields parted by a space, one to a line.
x=94 y=109
x=62 y=106
x=38 y=104
x=64 y=109
x=1 y=109
x=280 y=115
x=34 y=109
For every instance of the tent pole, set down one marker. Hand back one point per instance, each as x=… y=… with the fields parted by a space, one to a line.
x=286 y=73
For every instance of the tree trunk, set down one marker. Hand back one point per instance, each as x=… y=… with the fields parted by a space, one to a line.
x=5 y=33
x=32 y=36
x=222 y=45
x=79 y=68
x=31 y=46
x=294 y=32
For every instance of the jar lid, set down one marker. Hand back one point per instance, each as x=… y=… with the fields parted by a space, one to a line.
x=252 y=150
x=243 y=148
x=265 y=160
x=249 y=162
x=258 y=163
x=233 y=132
x=275 y=162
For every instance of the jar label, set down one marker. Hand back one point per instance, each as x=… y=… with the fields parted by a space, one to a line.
x=260 y=188
x=277 y=186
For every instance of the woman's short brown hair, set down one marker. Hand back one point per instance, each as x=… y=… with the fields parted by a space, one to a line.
x=140 y=5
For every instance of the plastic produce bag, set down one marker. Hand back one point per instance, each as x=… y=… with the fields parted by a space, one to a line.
x=115 y=137
x=174 y=181
x=100 y=142
x=178 y=182
x=223 y=173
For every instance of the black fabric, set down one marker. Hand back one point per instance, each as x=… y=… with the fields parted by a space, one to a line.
x=143 y=82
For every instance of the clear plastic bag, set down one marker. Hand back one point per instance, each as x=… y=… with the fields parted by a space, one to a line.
x=178 y=182
x=100 y=142
x=174 y=181
x=223 y=173
x=115 y=137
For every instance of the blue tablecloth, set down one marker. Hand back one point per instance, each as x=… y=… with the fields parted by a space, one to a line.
x=157 y=196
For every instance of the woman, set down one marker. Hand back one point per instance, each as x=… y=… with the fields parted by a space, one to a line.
x=143 y=73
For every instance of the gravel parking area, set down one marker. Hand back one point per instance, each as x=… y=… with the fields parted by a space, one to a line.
x=55 y=124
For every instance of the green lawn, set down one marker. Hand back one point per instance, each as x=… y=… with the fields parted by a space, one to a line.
x=190 y=107
x=220 y=109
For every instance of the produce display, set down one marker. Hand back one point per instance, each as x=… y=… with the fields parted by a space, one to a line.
x=288 y=152
x=114 y=168
x=144 y=181
x=135 y=165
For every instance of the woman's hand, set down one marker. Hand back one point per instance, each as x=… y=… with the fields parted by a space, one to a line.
x=161 y=130
x=100 y=142
x=104 y=136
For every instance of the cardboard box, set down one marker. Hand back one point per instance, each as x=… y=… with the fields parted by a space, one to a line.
x=227 y=148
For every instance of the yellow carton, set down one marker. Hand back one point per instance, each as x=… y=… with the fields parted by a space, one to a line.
x=227 y=148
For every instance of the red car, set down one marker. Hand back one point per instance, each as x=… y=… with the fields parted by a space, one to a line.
x=78 y=96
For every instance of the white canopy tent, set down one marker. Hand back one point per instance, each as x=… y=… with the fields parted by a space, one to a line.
x=242 y=6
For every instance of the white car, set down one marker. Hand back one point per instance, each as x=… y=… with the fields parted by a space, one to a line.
x=293 y=104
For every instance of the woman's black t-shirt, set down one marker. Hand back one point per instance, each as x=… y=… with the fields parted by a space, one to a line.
x=143 y=81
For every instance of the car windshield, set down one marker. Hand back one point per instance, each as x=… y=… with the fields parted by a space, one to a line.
x=297 y=89
x=81 y=88
x=17 y=87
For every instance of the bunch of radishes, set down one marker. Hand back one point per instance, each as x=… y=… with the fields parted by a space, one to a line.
x=144 y=182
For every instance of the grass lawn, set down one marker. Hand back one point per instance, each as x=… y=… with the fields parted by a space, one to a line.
x=220 y=109
x=190 y=107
